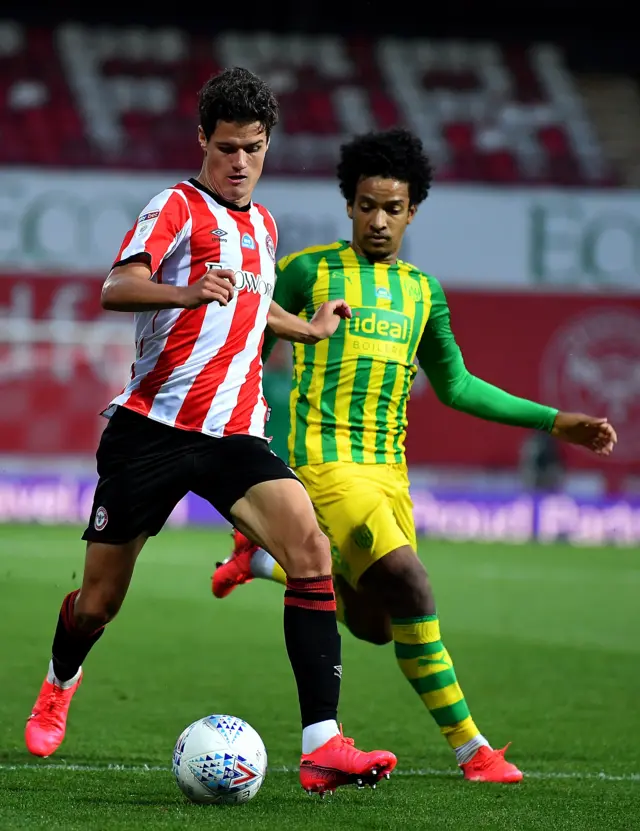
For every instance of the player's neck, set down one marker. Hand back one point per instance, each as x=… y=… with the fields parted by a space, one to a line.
x=203 y=181
x=389 y=259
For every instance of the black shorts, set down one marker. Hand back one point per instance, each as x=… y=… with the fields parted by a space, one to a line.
x=145 y=468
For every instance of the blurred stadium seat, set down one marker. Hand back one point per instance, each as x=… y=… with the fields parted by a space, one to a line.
x=126 y=97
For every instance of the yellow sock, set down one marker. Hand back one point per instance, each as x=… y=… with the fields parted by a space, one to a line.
x=427 y=666
x=278 y=574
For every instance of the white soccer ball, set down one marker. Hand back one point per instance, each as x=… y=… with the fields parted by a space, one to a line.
x=219 y=759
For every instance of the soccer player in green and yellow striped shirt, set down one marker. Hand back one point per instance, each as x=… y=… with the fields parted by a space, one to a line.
x=348 y=424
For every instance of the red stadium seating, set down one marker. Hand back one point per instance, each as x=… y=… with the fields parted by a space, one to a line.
x=126 y=98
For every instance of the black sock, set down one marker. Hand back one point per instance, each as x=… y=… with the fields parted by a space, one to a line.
x=313 y=645
x=70 y=646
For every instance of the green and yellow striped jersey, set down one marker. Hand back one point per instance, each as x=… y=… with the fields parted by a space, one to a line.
x=349 y=396
x=349 y=393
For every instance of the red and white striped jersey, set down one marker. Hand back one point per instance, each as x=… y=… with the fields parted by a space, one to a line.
x=201 y=369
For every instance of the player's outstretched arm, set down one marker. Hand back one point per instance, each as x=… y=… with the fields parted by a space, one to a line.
x=128 y=288
x=322 y=325
x=440 y=357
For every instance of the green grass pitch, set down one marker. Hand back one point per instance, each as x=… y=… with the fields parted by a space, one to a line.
x=546 y=642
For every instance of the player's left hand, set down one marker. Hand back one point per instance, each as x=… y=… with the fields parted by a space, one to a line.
x=595 y=434
x=327 y=318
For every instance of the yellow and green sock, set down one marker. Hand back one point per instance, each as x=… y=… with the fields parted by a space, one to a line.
x=427 y=665
x=265 y=566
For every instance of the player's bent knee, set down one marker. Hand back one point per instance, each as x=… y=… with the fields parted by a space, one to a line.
x=402 y=581
x=107 y=573
x=363 y=615
x=97 y=605
x=408 y=579
x=88 y=622
x=377 y=633
x=308 y=556
x=94 y=610
x=378 y=637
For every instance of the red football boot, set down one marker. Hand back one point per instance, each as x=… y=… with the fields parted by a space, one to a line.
x=47 y=723
x=338 y=762
x=236 y=570
x=489 y=765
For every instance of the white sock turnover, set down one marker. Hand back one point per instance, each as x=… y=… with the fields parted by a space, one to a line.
x=467 y=751
x=262 y=564
x=64 y=685
x=315 y=735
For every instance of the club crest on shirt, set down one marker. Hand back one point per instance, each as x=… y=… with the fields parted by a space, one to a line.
x=414 y=289
x=247 y=241
x=271 y=248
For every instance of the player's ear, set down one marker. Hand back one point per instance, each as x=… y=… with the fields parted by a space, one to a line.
x=202 y=139
x=350 y=210
x=413 y=210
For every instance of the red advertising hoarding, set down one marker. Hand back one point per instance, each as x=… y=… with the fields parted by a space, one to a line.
x=43 y=297
x=573 y=351
x=52 y=393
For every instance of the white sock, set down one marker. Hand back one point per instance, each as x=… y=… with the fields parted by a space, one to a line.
x=64 y=685
x=315 y=735
x=262 y=564
x=467 y=751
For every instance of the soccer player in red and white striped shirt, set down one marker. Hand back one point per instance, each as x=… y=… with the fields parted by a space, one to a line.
x=198 y=271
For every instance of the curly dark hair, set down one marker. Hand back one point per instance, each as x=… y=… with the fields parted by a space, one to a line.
x=236 y=94
x=390 y=154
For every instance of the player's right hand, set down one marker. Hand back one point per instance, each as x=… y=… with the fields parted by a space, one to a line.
x=217 y=285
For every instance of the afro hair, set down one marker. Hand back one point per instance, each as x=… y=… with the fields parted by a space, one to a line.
x=391 y=154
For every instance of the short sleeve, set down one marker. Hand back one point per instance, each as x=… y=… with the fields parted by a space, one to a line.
x=158 y=230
